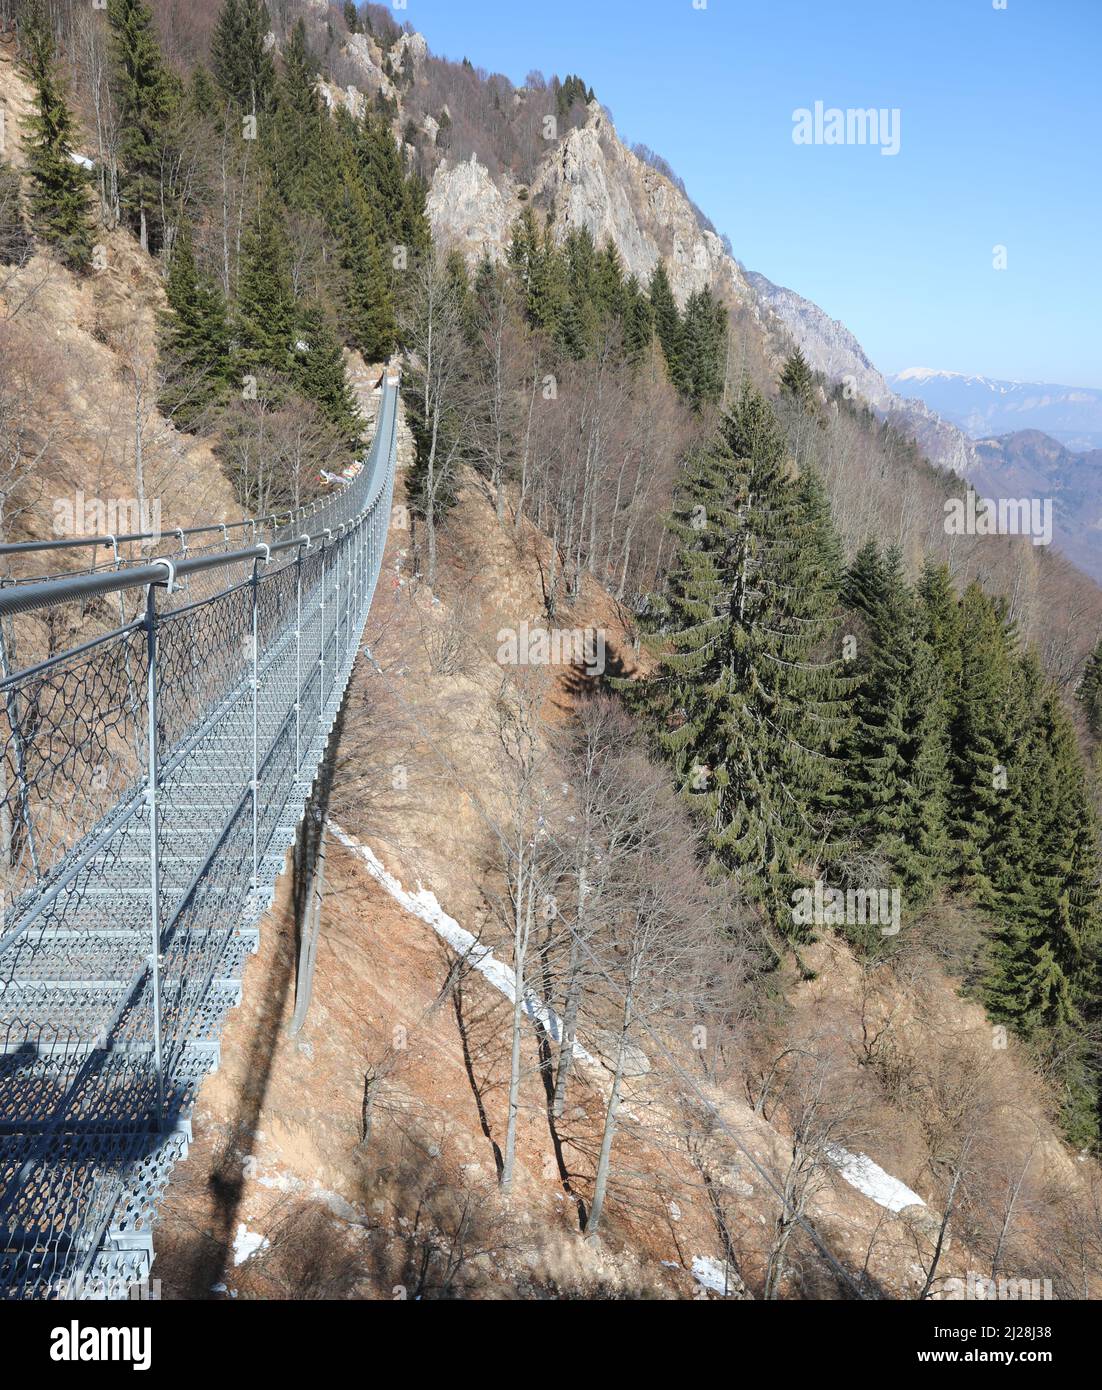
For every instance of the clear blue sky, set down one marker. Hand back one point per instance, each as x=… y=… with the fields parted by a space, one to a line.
x=1001 y=126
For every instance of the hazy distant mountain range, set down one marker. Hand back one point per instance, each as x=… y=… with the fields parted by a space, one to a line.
x=1029 y=463
x=984 y=406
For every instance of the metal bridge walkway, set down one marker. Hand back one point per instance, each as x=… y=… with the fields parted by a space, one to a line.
x=154 y=779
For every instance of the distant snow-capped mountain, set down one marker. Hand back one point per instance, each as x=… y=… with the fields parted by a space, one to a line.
x=986 y=406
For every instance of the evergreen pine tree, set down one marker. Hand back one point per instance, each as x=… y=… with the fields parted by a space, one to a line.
x=638 y=321
x=797 y=379
x=943 y=628
x=58 y=199
x=302 y=156
x=367 y=311
x=898 y=764
x=415 y=231
x=240 y=60
x=320 y=375
x=265 y=327
x=864 y=583
x=667 y=322
x=143 y=94
x=608 y=283
x=701 y=349
x=742 y=703
x=202 y=96
x=383 y=177
x=1041 y=975
x=194 y=339
x=982 y=731
x=539 y=271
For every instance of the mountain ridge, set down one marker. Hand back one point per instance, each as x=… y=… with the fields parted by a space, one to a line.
x=1031 y=463
x=982 y=405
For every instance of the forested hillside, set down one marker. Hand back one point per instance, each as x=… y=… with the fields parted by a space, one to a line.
x=803 y=828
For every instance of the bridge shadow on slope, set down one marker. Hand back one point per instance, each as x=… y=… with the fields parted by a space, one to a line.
x=208 y=1254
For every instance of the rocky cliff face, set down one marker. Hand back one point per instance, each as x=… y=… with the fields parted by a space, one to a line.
x=590 y=179
x=366 y=57
x=468 y=209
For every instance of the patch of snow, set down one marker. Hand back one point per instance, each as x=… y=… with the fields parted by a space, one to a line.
x=246 y=1244
x=424 y=905
x=711 y=1274
x=82 y=160
x=869 y=1178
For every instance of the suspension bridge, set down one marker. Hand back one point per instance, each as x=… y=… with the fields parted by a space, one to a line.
x=155 y=773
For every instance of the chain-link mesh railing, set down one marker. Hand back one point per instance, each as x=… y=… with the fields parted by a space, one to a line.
x=153 y=780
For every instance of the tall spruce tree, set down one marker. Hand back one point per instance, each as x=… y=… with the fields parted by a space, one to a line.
x=899 y=749
x=240 y=60
x=1041 y=975
x=743 y=703
x=638 y=321
x=266 y=310
x=396 y=200
x=701 y=351
x=667 y=322
x=320 y=375
x=301 y=152
x=143 y=93
x=194 y=342
x=539 y=271
x=864 y=583
x=943 y=629
x=982 y=732
x=797 y=378
x=58 y=195
x=367 y=310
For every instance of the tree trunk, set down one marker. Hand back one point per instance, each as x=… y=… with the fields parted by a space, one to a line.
x=604 y=1161
x=522 y=917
